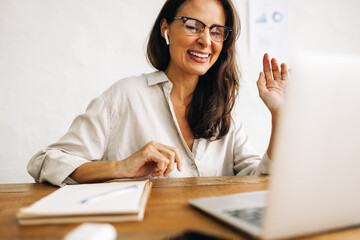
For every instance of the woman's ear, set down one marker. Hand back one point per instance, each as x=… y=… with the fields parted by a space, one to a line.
x=164 y=30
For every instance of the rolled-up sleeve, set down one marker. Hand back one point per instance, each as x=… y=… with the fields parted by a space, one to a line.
x=85 y=141
x=246 y=159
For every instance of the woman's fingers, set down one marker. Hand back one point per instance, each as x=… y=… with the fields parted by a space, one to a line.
x=275 y=69
x=261 y=83
x=155 y=156
x=157 y=173
x=267 y=67
x=170 y=155
x=170 y=166
x=165 y=157
x=271 y=83
x=173 y=155
x=284 y=72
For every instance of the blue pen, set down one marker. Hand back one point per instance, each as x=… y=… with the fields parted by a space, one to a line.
x=111 y=193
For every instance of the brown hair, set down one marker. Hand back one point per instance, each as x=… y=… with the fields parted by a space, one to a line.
x=209 y=112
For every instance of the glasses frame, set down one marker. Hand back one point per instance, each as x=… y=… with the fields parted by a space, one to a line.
x=184 y=19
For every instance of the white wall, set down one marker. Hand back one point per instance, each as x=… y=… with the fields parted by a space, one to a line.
x=55 y=56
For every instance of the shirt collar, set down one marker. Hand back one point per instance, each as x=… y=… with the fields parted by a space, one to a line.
x=156 y=78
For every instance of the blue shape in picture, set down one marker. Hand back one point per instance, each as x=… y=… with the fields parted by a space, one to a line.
x=277 y=17
x=261 y=19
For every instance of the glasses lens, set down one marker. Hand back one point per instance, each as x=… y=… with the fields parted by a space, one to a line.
x=193 y=27
x=219 y=33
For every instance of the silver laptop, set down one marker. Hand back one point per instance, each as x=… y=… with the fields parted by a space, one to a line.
x=315 y=180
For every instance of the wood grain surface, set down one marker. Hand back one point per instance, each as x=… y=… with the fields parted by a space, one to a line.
x=167 y=214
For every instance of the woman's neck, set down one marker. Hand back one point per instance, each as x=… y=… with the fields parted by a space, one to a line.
x=184 y=85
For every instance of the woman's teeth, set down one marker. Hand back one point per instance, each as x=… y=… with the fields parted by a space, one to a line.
x=199 y=55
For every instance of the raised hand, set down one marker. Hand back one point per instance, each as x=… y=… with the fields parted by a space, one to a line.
x=271 y=84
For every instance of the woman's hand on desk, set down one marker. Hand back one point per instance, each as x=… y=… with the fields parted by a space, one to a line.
x=154 y=158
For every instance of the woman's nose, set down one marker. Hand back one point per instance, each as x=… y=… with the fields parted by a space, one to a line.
x=205 y=38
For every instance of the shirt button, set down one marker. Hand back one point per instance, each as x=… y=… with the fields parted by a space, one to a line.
x=193 y=167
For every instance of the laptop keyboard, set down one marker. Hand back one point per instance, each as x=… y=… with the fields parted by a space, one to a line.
x=251 y=215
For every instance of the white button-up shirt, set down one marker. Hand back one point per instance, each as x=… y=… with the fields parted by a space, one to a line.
x=131 y=113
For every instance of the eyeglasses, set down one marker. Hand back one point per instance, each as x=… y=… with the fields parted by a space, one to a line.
x=194 y=27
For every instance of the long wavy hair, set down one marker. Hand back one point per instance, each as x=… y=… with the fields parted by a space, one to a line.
x=209 y=112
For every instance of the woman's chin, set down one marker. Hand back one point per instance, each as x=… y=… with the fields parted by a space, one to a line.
x=199 y=71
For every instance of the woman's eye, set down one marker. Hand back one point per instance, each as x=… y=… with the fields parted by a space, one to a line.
x=216 y=33
x=193 y=29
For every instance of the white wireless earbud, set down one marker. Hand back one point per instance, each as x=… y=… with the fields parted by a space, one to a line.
x=166 y=37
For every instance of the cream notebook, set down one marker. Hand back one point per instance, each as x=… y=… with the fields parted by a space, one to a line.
x=100 y=202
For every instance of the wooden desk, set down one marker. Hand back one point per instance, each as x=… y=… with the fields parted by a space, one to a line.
x=167 y=212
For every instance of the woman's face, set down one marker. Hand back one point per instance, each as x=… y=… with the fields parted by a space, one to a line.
x=195 y=55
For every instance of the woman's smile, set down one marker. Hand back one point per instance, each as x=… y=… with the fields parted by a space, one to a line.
x=198 y=56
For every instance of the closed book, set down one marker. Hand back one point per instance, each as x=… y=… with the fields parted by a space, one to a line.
x=96 y=202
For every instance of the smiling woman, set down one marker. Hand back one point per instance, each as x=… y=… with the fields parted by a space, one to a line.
x=194 y=46
x=185 y=48
x=175 y=122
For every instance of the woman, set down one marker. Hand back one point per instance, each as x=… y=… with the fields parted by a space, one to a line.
x=176 y=122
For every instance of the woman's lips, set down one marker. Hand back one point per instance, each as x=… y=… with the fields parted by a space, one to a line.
x=198 y=57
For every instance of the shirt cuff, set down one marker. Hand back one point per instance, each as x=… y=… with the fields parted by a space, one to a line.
x=265 y=164
x=68 y=181
x=58 y=166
